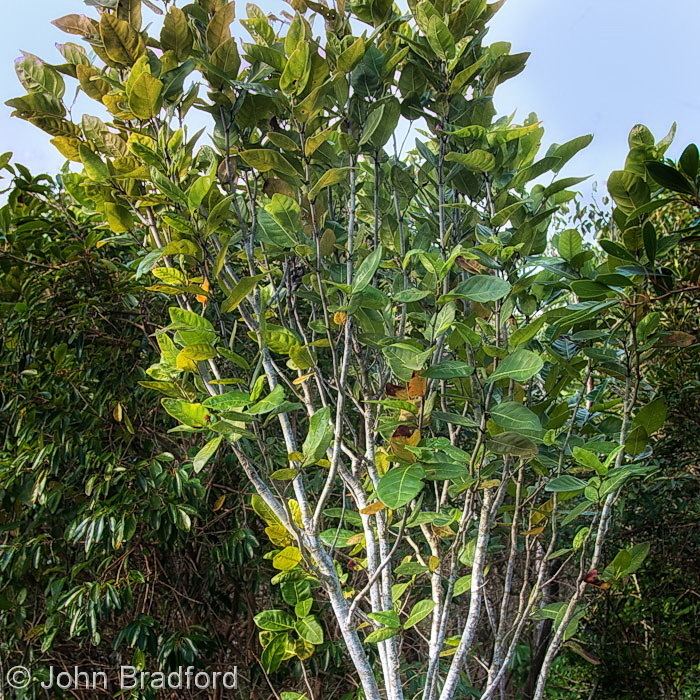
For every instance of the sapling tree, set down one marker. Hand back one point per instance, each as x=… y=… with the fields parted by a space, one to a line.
x=435 y=401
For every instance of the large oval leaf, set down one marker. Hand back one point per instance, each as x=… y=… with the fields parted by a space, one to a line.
x=513 y=416
x=484 y=288
x=400 y=485
x=520 y=366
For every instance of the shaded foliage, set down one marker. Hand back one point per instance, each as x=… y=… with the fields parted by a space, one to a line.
x=99 y=564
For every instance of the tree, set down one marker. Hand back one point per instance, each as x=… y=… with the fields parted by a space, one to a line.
x=436 y=409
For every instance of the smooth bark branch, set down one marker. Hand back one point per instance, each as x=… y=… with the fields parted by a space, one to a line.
x=477 y=584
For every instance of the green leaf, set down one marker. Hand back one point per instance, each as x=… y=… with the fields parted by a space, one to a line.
x=669 y=178
x=228 y=401
x=520 y=366
x=637 y=554
x=95 y=168
x=510 y=443
x=274 y=621
x=400 y=485
x=626 y=562
x=462 y=585
x=328 y=179
x=366 y=269
x=205 y=454
x=526 y=333
x=440 y=38
x=227 y=62
x=389 y=618
x=192 y=414
x=185 y=319
x=309 y=630
x=381 y=123
x=198 y=191
x=264 y=160
x=405 y=358
x=274 y=653
x=449 y=369
x=170 y=190
x=569 y=244
x=652 y=416
x=349 y=58
x=296 y=71
x=477 y=160
x=36 y=76
x=565 y=483
x=269 y=403
x=279 y=339
x=319 y=437
x=420 y=610
x=198 y=352
x=288 y=474
x=690 y=161
x=568 y=150
x=511 y=415
x=628 y=190
x=240 y=291
x=484 y=288
x=380 y=634
x=588 y=459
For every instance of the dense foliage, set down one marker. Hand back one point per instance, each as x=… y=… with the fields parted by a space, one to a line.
x=436 y=396
x=652 y=621
x=97 y=559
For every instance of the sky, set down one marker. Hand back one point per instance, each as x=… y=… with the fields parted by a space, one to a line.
x=597 y=66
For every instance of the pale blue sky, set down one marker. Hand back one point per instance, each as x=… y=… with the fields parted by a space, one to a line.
x=597 y=66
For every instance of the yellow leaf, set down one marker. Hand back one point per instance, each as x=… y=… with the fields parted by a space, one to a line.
x=122 y=44
x=219 y=28
x=303 y=378
x=372 y=508
x=287 y=559
x=533 y=532
x=204 y=298
x=68 y=147
x=443 y=532
x=118 y=217
x=219 y=503
x=295 y=511
x=327 y=243
x=382 y=461
x=295 y=457
x=185 y=362
x=328 y=179
x=145 y=96
x=278 y=535
x=359 y=538
x=118 y=413
x=489 y=483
